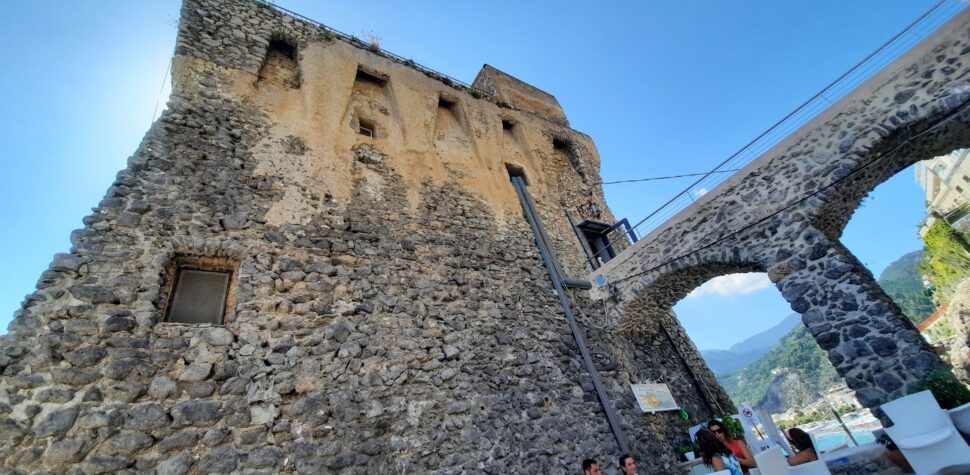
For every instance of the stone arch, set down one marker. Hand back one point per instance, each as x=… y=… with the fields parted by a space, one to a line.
x=649 y=317
x=656 y=298
x=908 y=136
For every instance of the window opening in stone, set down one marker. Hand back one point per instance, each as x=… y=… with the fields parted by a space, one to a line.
x=447 y=104
x=366 y=127
x=507 y=125
x=516 y=171
x=198 y=290
x=560 y=145
x=280 y=65
x=597 y=237
x=283 y=47
x=370 y=77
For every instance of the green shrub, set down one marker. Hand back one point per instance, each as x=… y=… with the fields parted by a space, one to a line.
x=733 y=427
x=946 y=260
x=946 y=388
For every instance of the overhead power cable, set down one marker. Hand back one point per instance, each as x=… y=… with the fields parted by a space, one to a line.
x=799 y=201
x=665 y=177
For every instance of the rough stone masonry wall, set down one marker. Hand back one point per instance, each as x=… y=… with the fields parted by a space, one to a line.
x=784 y=214
x=391 y=312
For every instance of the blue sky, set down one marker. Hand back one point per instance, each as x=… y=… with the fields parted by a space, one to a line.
x=662 y=87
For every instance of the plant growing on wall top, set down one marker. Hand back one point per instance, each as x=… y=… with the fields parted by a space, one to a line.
x=374 y=41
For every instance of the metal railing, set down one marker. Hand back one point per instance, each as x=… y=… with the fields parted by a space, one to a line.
x=448 y=80
x=899 y=44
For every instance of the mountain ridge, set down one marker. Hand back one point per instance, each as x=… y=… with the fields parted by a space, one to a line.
x=750 y=349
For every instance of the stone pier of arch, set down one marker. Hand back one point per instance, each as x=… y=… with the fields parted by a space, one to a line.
x=785 y=212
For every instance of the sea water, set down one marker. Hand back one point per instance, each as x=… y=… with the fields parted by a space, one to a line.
x=832 y=440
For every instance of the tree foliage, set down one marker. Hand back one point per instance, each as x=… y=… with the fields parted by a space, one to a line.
x=946 y=260
x=902 y=281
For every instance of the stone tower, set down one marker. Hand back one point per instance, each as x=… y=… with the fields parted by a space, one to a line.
x=315 y=262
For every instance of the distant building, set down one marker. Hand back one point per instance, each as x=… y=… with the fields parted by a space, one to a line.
x=946 y=180
x=840 y=395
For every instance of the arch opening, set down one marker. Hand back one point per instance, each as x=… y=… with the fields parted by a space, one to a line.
x=912 y=232
x=746 y=340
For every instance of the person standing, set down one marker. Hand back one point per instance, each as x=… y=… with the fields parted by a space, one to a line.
x=627 y=466
x=738 y=447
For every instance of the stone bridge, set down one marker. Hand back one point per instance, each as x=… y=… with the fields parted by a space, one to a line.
x=785 y=212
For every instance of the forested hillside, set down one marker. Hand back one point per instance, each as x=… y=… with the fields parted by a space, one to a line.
x=903 y=282
x=799 y=365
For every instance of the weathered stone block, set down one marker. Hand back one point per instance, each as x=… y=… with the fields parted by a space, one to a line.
x=55 y=422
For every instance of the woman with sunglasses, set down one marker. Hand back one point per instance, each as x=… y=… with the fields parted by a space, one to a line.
x=738 y=447
x=715 y=454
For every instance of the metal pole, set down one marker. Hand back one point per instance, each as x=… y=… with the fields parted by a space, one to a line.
x=846 y=429
x=547 y=257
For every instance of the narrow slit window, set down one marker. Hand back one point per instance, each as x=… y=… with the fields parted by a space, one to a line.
x=516 y=171
x=366 y=127
x=446 y=104
x=370 y=77
x=199 y=296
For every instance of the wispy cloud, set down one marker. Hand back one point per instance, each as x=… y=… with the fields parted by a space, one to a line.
x=700 y=192
x=733 y=284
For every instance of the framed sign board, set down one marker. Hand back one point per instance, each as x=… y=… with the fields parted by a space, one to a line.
x=653 y=397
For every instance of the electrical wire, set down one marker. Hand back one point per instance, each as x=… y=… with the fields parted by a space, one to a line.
x=664 y=177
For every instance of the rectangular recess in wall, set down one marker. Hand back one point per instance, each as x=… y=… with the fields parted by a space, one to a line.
x=369 y=76
x=445 y=103
x=199 y=296
x=507 y=124
x=198 y=289
x=366 y=127
x=516 y=171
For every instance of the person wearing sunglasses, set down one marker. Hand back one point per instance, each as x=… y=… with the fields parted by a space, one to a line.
x=715 y=454
x=738 y=446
